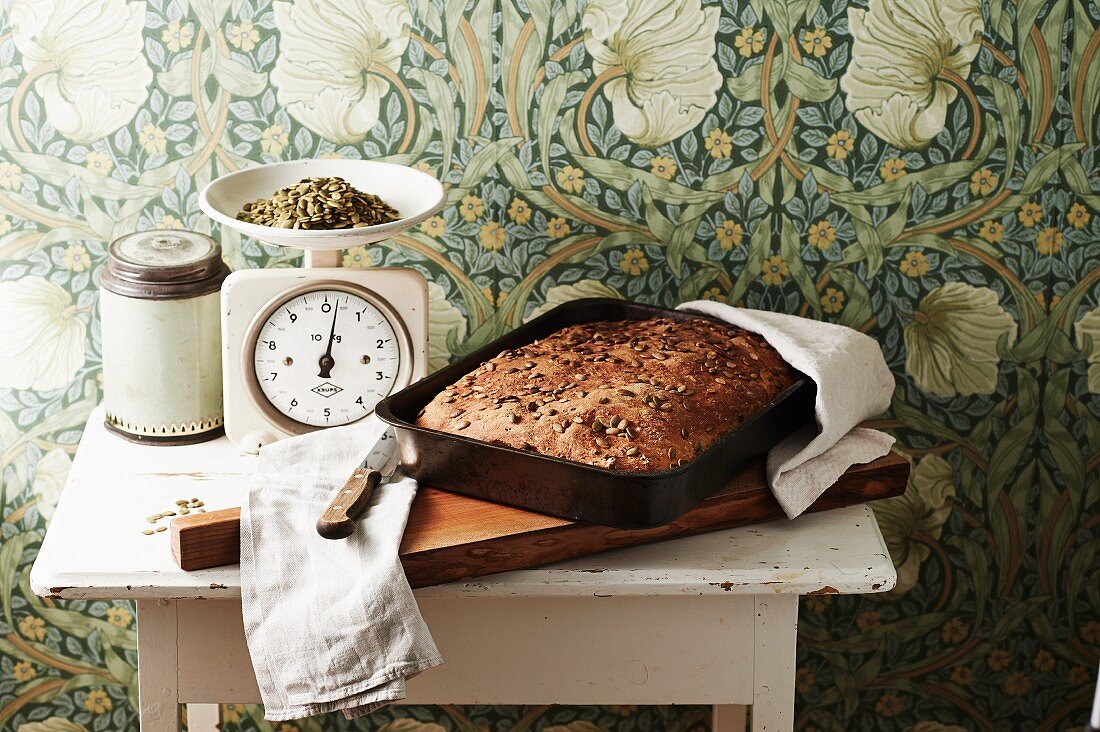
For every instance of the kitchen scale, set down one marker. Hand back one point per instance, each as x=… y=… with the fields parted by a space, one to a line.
x=319 y=346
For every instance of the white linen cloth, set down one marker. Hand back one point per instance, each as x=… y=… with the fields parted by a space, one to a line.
x=853 y=384
x=331 y=625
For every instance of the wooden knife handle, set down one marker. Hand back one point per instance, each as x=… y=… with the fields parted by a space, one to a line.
x=338 y=520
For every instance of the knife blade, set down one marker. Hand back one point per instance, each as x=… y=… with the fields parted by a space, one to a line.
x=349 y=503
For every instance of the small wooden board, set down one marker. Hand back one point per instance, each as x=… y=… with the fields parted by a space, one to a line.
x=451 y=537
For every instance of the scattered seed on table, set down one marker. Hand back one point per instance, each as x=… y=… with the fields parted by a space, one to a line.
x=148 y=532
x=161 y=528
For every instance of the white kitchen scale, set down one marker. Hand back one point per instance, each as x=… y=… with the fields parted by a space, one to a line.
x=320 y=346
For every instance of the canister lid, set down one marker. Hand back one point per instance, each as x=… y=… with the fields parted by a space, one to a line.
x=164 y=264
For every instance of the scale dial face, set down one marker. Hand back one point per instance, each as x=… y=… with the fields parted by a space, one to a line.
x=324 y=357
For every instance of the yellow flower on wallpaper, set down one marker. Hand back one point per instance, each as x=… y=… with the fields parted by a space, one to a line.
x=713 y=293
x=357 y=258
x=921 y=511
x=963 y=676
x=718 y=143
x=33 y=627
x=97 y=702
x=98 y=162
x=1078 y=216
x=892 y=169
x=661 y=58
x=333 y=55
x=900 y=51
x=433 y=226
x=119 y=617
x=889 y=705
x=570 y=179
x=76 y=258
x=90 y=62
x=557 y=228
x=951 y=342
x=176 y=36
x=23 y=671
x=519 y=211
x=832 y=301
x=406 y=724
x=914 y=265
x=168 y=221
x=1043 y=661
x=1087 y=331
x=634 y=262
x=954 y=631
x=470 y=208
x=662 y=167
x=998 y=659
x=152 y=139
x=243 y=35
x=730 y=234
x=232 y=712
x=1017 y=683
x=840 y=143
x=821 y=234
x=816 y=42
x=1049 y=241
x=991 y=231
x=983 y=182
x=868 y=619
x=41 y=335
x=274 y=139
x=774 y=270
x=11 y=176
x=748 y=42
x=1030 y=214
x=491 y=236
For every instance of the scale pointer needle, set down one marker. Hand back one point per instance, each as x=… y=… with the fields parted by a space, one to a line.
x=326 y=363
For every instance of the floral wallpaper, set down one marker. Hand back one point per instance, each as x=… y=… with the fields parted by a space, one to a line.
x=923 y=170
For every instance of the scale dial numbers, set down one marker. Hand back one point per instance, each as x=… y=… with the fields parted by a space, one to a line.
x=325 y=357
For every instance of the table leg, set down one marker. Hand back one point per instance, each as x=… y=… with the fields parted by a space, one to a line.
x=773 y=664
x=158 y=700
x=203 y=718
x=728 y=718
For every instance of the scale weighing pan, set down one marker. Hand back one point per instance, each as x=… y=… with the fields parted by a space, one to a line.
x=415 y=194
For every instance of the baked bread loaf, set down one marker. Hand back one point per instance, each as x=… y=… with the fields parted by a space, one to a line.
x=631 y=395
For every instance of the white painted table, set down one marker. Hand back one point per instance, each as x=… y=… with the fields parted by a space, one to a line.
x=708 y=619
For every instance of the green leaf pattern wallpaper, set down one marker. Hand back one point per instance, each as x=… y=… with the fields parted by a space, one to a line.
x=923 y=170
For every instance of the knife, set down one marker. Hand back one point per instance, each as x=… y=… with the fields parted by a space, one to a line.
x=349 y=503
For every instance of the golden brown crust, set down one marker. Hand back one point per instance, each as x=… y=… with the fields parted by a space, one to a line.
x=633 y=395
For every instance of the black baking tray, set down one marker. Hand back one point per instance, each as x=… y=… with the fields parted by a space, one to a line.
x=572 y=490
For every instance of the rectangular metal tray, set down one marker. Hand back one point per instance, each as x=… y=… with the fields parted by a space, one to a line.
x=569 y=489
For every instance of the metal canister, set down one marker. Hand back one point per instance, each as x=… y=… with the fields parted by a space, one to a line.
x=161 y=326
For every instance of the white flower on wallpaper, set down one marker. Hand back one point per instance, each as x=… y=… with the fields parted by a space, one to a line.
x=333 y=58
x=951 y=342
x=1088 y=327
x=561 y=294
x=49 y=479
x=665 y=54
x=88 y=56
x=923 y=508
x=899 y=49
x=41 y=335
x=444 y=321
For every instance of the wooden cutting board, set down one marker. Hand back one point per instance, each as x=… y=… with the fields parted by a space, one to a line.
x=451 y=537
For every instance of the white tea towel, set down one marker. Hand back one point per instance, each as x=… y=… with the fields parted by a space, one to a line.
x=331 y=625
x=853 y=384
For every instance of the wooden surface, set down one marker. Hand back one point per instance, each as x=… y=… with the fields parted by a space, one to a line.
x=452 y=537
x=94 y=547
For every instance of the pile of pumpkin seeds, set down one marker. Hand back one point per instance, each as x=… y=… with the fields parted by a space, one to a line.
x=319 y=203
x=183 y=507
